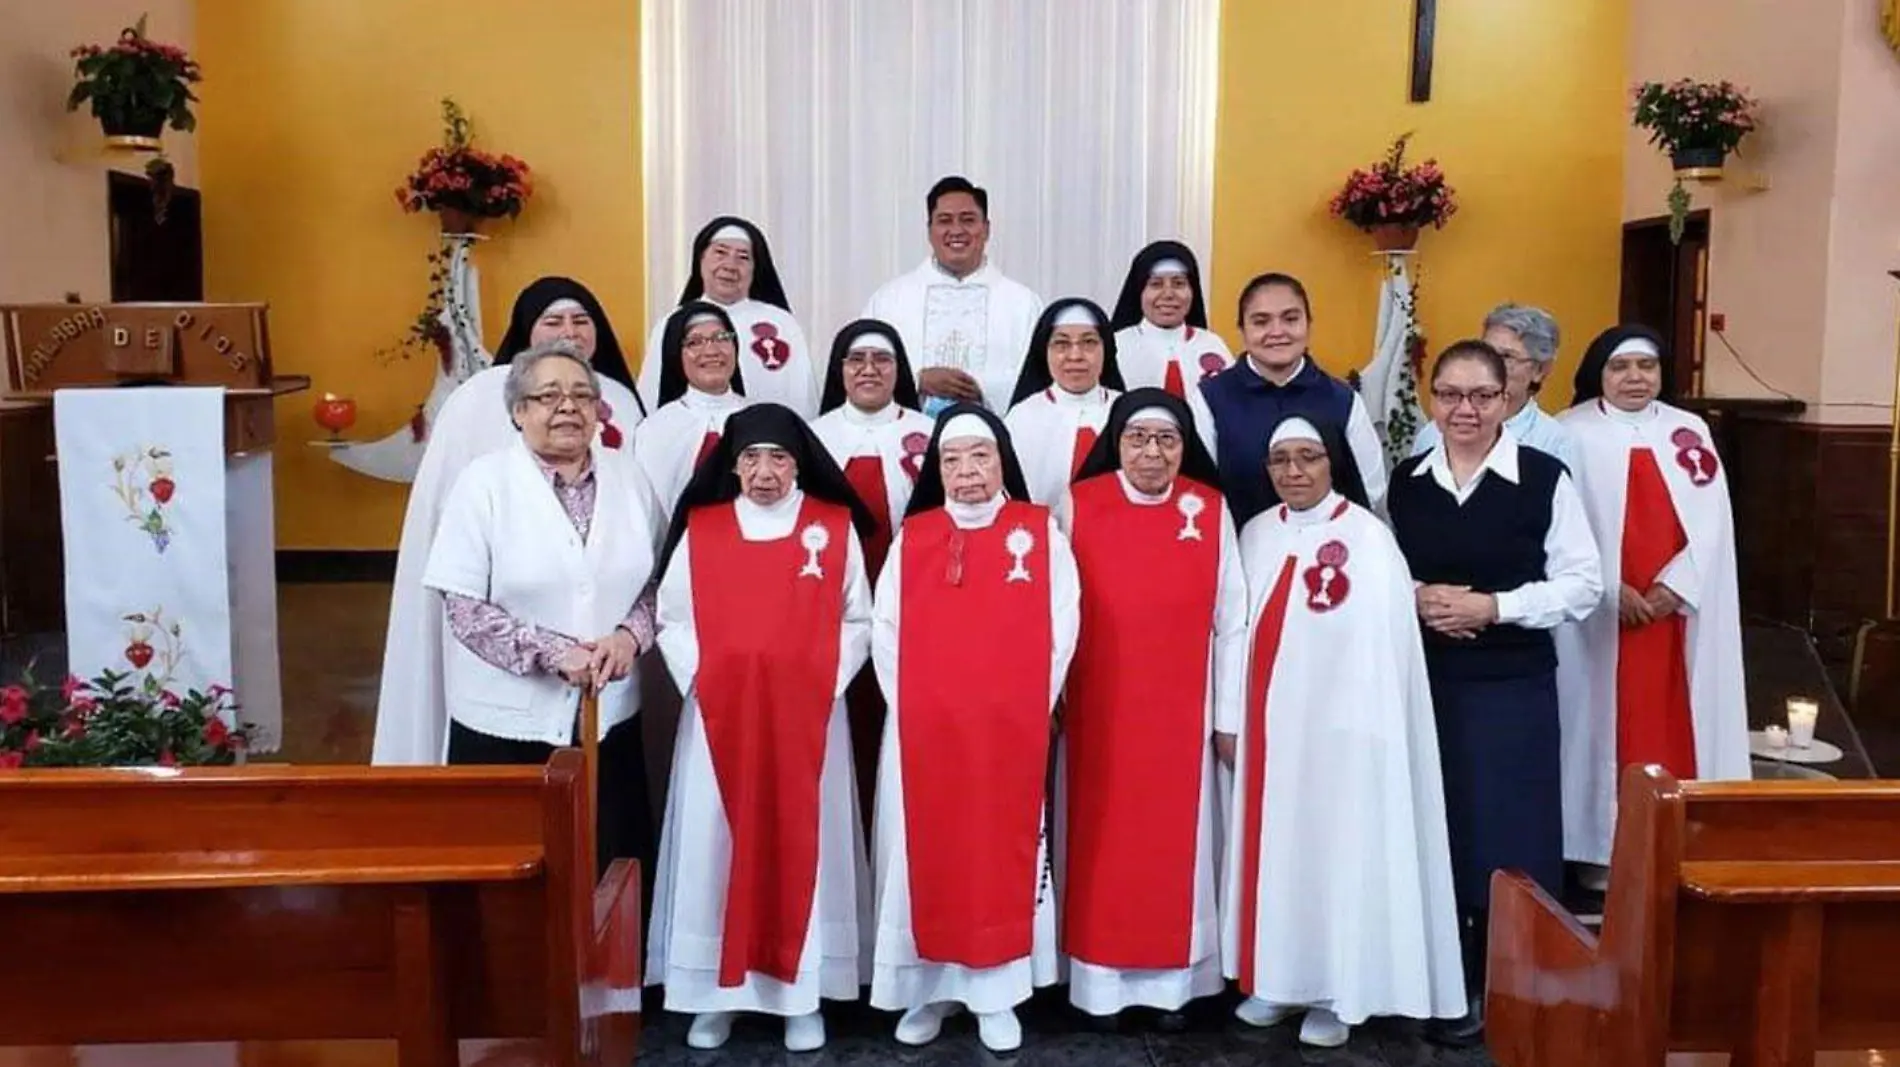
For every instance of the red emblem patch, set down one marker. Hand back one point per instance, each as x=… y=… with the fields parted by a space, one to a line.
x=771 y=349
x=915 y=445
x=1211 y=364
x=610 y=435
x=1694 y=457
x=1326 y=583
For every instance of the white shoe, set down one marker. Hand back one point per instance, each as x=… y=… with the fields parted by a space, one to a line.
x=1256 y=1012
x=999 y=1030
x=805 y=1033
x=920 y=1025
x=1322 y=1029
x=709 y=1030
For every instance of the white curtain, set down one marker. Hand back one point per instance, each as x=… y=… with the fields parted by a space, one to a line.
x=1090 y=122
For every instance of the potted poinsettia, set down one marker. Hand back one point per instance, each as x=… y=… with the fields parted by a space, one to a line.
x=136 y=86
x=116 y=720
x=1393 y=201
x=462 y=183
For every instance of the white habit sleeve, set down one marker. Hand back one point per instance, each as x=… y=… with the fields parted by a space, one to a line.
x=679 y=641
x=1065 y=607
x=1367 y=453
x=1573 y=571
x=1682 y=578
x=1203 y=420
x=1230 y=631
x=884 y=610
x=854 y=643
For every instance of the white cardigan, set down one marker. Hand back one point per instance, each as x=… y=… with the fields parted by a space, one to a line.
x=505 y=538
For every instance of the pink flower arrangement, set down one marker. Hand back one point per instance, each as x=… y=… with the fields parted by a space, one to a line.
x=459 y=177
x=1390 y=193
x=1691 y=116
x=116 y=720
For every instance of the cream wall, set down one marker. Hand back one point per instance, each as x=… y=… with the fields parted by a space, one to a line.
x=53 y=236
x=1798 y=268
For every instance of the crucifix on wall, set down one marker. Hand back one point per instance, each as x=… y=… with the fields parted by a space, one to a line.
x=1424 y=22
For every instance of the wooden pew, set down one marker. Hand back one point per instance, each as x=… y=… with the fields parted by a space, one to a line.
x=423 y=905
x=1759 y=919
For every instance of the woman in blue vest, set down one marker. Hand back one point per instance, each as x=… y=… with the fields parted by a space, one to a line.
x=1501 y=552
x=1240 y=406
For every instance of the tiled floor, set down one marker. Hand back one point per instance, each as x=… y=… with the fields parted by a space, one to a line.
x=331 y=637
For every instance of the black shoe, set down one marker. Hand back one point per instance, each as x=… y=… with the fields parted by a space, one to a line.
x=1102 y=1024
x=1171 y=1022
x=1467 y=1032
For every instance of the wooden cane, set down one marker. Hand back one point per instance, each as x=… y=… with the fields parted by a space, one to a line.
x=590 y=751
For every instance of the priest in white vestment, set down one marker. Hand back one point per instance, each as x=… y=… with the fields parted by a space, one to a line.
x=1161 y=334
x=1164 y=614
x=1339 y=900
x=701 y=385
x=732 y=267
x=965 y=324
x=1655 y=674
x=974 y=626
x=765 y=617
x=541 y=568
x=1060 y=403
x=411 y=717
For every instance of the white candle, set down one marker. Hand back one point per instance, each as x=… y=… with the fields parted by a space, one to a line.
x=1776 y=736
x=1801 y=715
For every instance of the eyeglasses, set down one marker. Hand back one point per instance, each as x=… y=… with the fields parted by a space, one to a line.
x=551 y=398
x=861 y=360
x=1062 y=346
x=1139 y=440
x=1305 y=459
x=1449 y=399
x=707 y=340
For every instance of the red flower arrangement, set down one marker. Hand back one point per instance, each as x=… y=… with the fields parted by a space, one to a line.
x=1391 y=194
x=113 y=721
x=459 y=180
x=136 y=85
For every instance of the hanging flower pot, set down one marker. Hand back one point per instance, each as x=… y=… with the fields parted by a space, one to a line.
x=1392 y=237
x=462 y=184
x=457 y=221
x=1699 y=164
x=135 y=88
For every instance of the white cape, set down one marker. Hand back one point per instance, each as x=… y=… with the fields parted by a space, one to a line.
x=1144 y=351
x=1043 y=429
x=896 y=435
x=411 y=716
x=1704 y=576
x=1355 y=908
x=666 y=447
x=683 y=947
x=775 y=360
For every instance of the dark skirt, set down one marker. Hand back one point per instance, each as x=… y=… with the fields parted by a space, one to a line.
x=1498 y=744
x=626 y=820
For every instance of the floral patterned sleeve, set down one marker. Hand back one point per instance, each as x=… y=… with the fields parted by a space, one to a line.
x=503 y=641
x=639 y=622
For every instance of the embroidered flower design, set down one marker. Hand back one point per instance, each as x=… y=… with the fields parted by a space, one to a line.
x=142 y=480
x=153 y=645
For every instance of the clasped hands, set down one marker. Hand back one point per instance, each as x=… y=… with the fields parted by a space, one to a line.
x=592 y=664
x=1636 y=609
x=1456 y=611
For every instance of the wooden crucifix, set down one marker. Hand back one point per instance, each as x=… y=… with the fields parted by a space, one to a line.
x=1424 y=23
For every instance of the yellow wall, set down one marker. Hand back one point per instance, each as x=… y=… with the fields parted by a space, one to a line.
x=314 y=113
x=1526 y=116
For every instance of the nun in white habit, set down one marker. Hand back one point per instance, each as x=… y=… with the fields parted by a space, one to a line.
x=700 y=387
x=411 y=716
x=732 y=267
x=1068 y=381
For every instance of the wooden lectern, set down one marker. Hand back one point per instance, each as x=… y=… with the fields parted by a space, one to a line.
x=56 y=346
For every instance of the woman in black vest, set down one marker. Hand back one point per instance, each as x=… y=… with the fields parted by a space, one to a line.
x=1501 y=552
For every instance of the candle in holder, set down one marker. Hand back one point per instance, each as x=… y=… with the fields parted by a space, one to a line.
x=1801 y=715
x=1776 y=736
